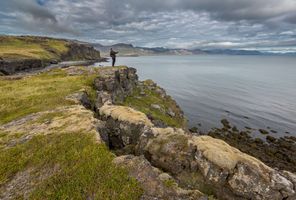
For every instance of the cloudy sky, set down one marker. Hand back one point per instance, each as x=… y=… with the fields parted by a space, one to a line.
x=245 y=24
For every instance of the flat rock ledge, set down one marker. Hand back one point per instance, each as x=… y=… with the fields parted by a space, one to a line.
x=230 y=173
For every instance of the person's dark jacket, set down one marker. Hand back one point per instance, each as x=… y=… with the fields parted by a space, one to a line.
x=113 y=54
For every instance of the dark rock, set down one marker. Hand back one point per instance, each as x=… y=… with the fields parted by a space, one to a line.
x=80 y=52
x=8 y=67
x=226 y=124
x=193 y=130
x=270 y=139
x=264 y=132
x=80 y=98
x=235 y=129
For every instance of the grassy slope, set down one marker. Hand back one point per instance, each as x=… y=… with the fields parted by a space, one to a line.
x=38 y=93
x=143 y=104
x=85 y=168
x=31 y=47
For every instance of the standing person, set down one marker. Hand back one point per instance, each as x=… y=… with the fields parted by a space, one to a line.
x=113 y=56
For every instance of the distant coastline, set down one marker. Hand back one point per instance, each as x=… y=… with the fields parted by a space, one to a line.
x=129 y=50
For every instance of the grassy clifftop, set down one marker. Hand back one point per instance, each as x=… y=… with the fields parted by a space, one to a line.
x=31 y=47
x=24 y=53
x=39 y=93
x=49 y=145
x=44 y=48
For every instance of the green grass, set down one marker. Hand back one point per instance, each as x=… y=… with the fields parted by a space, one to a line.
x=143 y=104
x=31 y=47
x=169 y=183
x=39 y=93
x=85 y=169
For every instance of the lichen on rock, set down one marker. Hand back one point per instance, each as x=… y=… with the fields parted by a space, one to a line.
x=231 y=173
x=125 y=114
x=67 y=119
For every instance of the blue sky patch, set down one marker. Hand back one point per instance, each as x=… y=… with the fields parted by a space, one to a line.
x=41 y=2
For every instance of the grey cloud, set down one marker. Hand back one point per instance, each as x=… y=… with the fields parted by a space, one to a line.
x=170 y=23
x=31 y=16
x=29 y=7
x=253 y=10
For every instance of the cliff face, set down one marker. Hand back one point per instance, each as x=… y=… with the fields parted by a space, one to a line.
x=25 y=53
x=196 y=162
x=80 y=52
x=137 y=122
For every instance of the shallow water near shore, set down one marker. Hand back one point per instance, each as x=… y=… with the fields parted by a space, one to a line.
x=250 y=91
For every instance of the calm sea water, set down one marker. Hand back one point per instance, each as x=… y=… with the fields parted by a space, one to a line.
x=249 y=91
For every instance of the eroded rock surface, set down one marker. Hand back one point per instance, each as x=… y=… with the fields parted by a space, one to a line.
x=156 y=184
x=67 y=119
x=119 y=83
x=232 y=173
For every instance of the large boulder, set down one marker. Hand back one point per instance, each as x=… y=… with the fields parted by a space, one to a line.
x=231 y=173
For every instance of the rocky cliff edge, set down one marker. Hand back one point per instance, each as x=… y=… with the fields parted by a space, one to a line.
x=166 y=160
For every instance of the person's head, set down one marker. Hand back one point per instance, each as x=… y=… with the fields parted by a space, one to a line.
x=111 y=49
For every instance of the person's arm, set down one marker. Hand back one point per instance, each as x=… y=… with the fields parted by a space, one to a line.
x=116 y=52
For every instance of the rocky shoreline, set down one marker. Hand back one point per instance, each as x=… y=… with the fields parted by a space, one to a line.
x=166 y=159
x=275 y=152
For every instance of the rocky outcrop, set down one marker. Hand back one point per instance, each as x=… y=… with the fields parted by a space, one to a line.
x=131 y=123
x=115 y=84
x=169 y=163
x=228 y=172
x=156 y=184
x=231 y=173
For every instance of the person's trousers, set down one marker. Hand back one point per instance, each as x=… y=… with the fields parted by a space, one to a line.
x=113 y=61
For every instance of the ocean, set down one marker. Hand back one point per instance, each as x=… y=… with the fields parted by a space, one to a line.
x=258 y=92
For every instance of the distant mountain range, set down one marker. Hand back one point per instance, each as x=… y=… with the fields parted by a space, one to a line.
x=130 y=50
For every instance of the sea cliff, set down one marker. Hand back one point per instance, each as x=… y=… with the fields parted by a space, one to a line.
x=100 y=133
x=20 y=53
